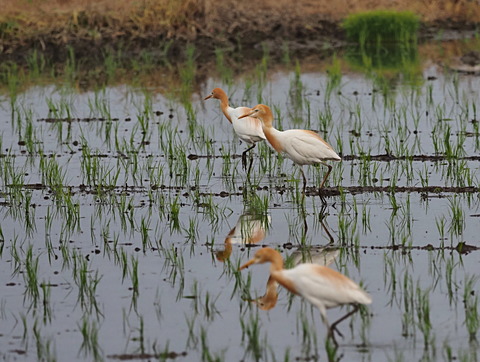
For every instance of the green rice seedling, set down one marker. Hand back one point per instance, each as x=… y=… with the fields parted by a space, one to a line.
x=192 y=340
x=2 y=242
x=192 y=232
x=424 y=176
x=135 y=281
x=47 y=307
x=382 y=26
x=32 y=290
x=144 y=232
x=255 y=345
x=123 y=261
x=45 y=350
x=308 y=333
x=243 y=284
x=174 y=260
x=110 y=64
x=441 y=224
x=457 y=223
x=100 y=106
x=347 y=229
x=187 y=72
x=409 y=306
x=325 y=119
x=225 y=72
x=366 y=219
x=334 y=72
x=207 y=355
x=87 y=284
x=71 y=67
x=452 y=286
x=423 y=315
x=470 y=300
x=141 y=337
x=286 y=58
x=36 y=64
x=12 y=78
x=175 y=215
x=195 y=297
x=26 y=330
x=447 y=352
x=209 y=306
x=331 y=350
x=90 y=344
x=296 y=93
x=260 y=71
x=366 y=322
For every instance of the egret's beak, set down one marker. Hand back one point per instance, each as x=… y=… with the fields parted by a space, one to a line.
x=248 y=263
x=247 y=114
x=208 y=97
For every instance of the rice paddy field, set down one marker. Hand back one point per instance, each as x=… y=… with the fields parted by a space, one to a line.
x=125 y=212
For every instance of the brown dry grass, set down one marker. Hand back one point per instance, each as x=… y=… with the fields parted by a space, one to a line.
x=27 y=22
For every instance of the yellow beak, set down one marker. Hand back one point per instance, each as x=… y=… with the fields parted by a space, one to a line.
x=246 y=114
x=248 y=263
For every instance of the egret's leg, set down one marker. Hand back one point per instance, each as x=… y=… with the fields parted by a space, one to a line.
x=244 y=157
x=327 y=174
x=329 y=328
x=251 y=163
x=304 y=180
x=334 y=325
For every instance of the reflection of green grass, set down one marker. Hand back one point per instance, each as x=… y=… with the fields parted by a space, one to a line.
x=382 y=26
x=383 y=57
x=386 y=62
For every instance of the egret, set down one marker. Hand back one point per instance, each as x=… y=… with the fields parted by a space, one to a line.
x=323 y=287
x=303 y=147
x=248 y=129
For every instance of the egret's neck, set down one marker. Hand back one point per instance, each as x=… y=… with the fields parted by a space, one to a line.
x=224 y=105
x=273 y=136
x=277 y=274
x=276 y=263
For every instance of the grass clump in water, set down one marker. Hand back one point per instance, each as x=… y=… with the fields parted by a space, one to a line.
x=382 y=26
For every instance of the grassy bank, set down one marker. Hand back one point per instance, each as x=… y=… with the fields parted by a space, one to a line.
x=52 y=24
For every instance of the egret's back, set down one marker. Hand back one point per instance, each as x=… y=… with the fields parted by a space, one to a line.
x=321 y=285
x=306 y=147
x=248 y=129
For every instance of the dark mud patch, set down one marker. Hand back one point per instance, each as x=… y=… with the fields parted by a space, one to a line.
x=461 y=248
x=71 y=120
x=147 y=356
x=310 y=190
x=421 y=158
x=382 y=157
x=335 y=191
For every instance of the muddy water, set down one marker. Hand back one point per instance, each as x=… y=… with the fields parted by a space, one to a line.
x=132 y=252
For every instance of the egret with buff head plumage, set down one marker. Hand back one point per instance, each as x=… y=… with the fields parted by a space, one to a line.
x=323 y=287
x=248 y=129
x=303 y=147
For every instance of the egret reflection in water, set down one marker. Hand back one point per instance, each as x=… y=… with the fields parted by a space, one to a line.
x=315 y=255
x=249 y=229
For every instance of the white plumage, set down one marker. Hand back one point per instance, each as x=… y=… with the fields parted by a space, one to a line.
x=323 y=287
x=248 y=129
x=303 y=147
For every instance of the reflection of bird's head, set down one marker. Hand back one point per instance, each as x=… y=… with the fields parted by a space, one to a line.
x=223 y=255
